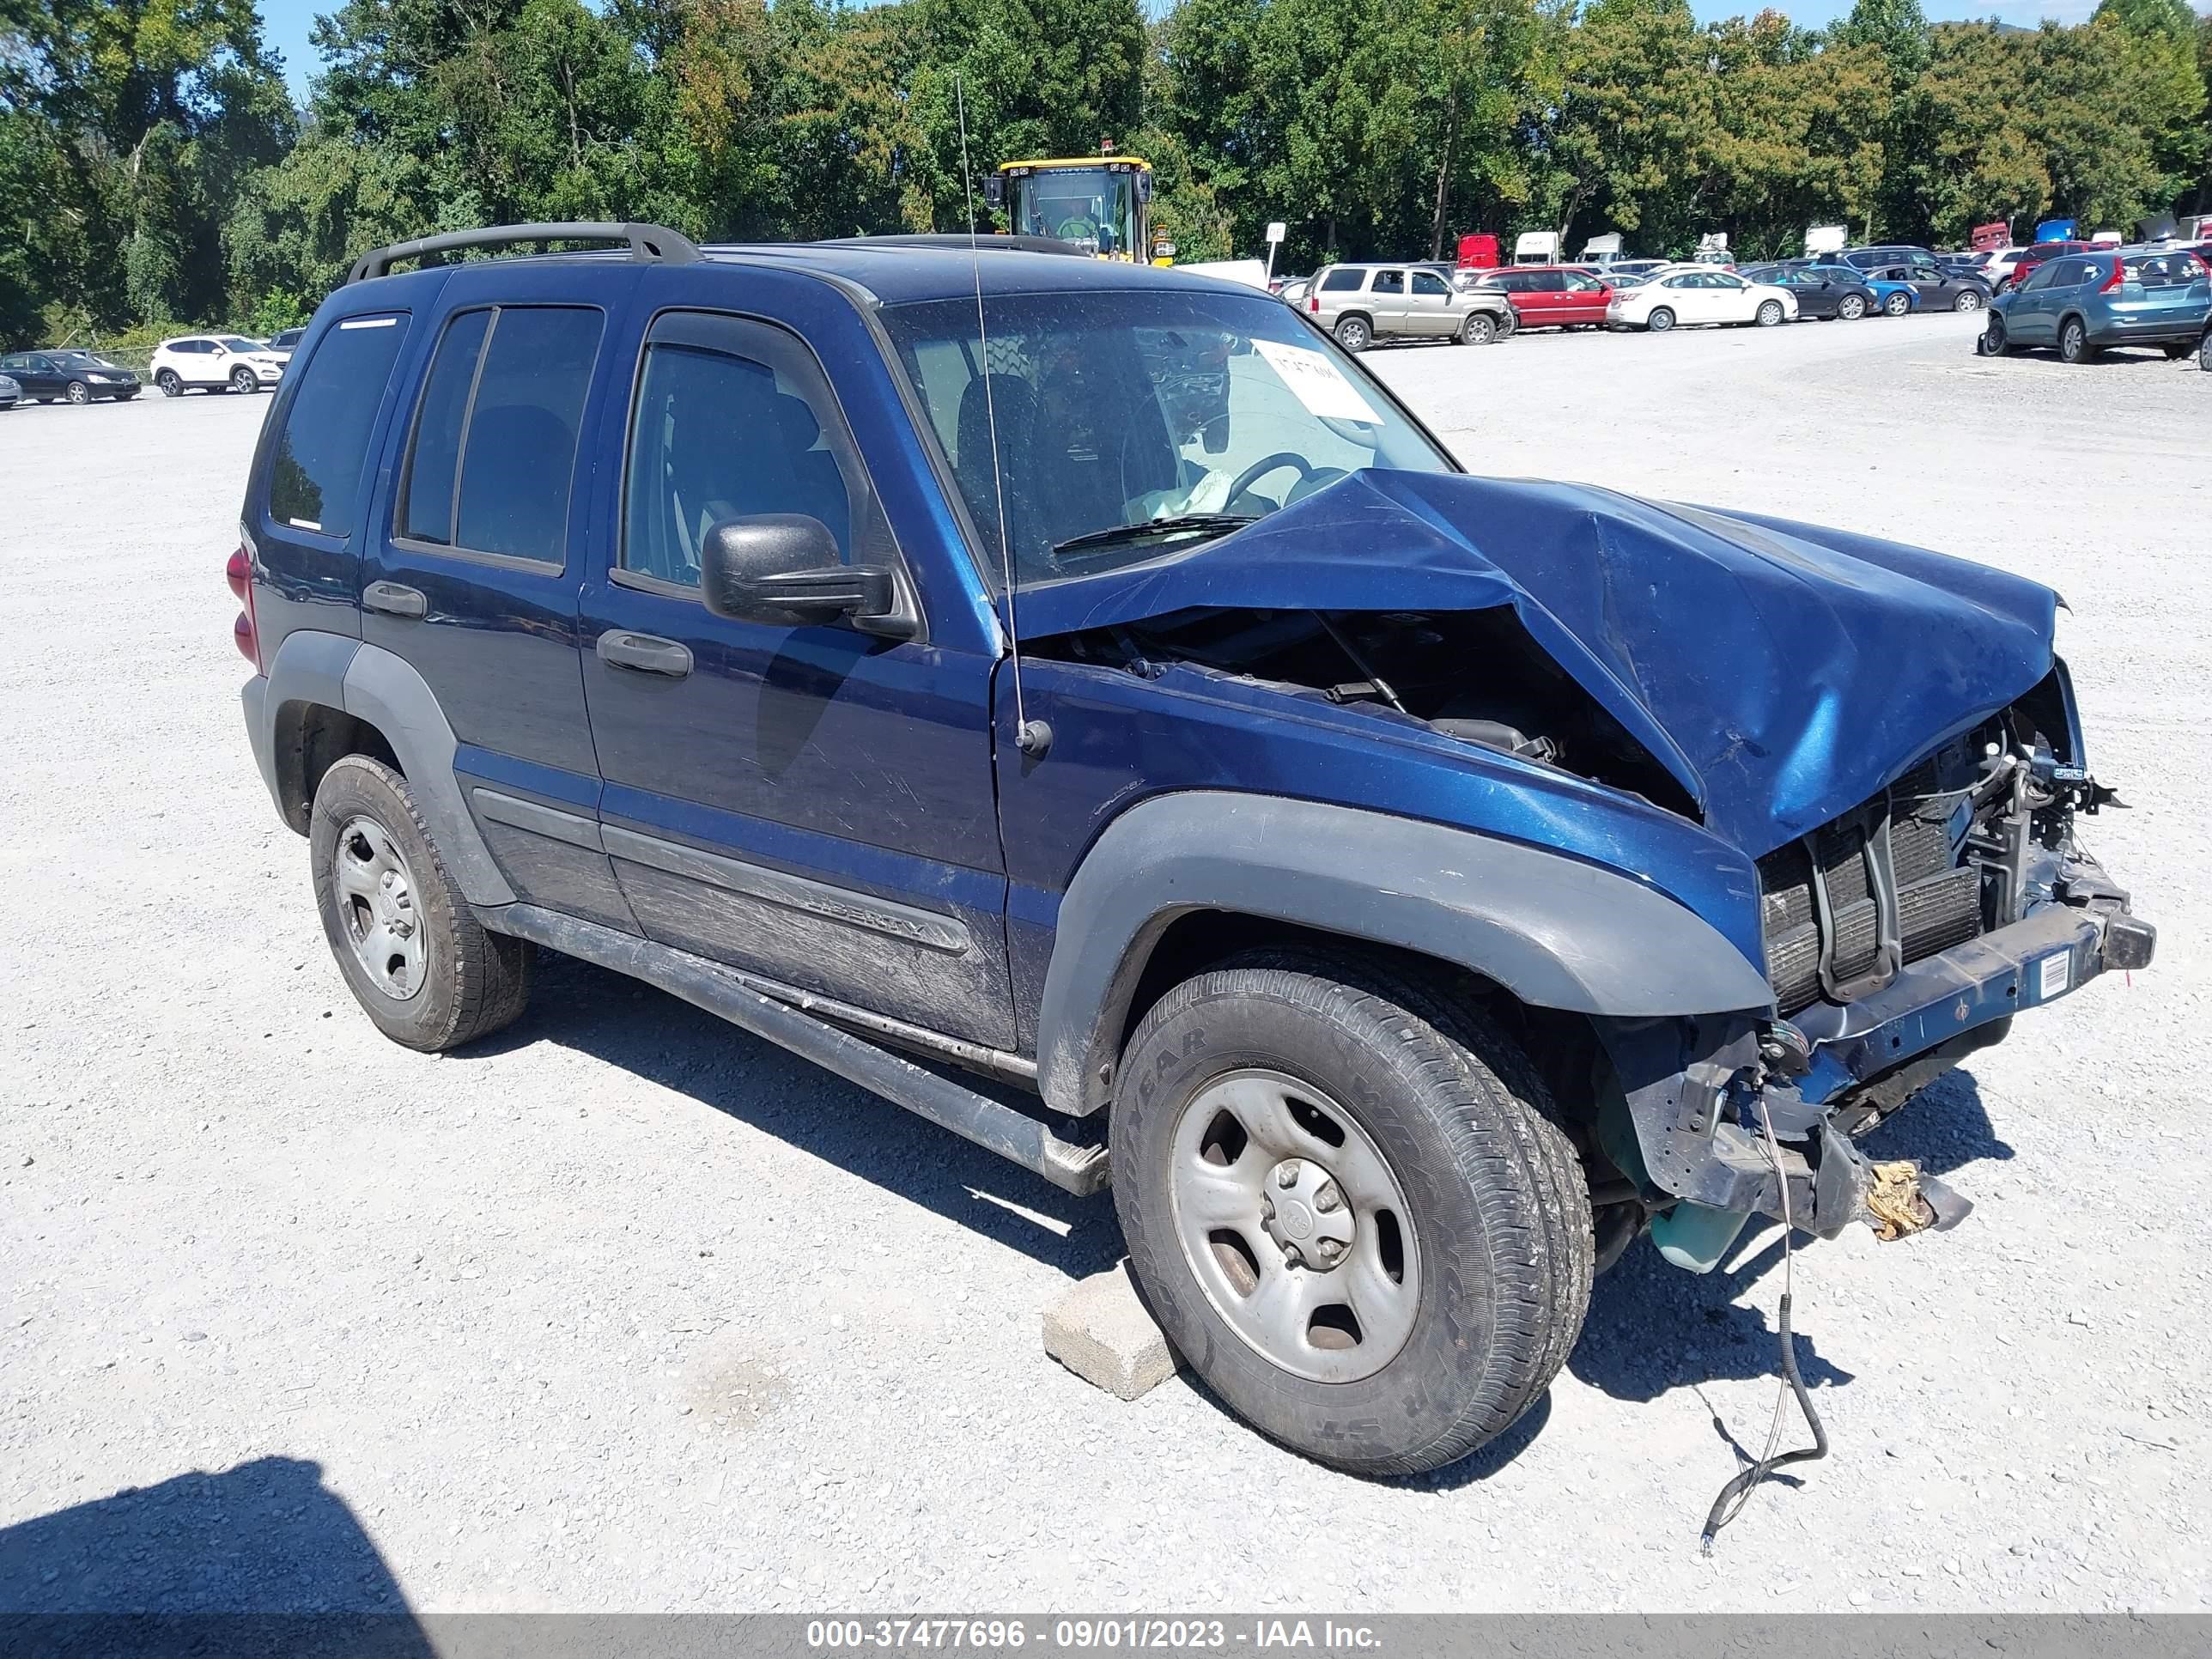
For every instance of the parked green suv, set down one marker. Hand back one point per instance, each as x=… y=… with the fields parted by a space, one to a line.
x=2085 y=302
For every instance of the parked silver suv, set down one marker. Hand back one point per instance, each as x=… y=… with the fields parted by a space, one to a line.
x=1361 y=304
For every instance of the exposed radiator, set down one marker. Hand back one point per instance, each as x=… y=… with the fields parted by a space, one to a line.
x=1894 y=853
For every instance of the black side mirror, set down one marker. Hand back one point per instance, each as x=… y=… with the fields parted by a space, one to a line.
x=995 y=189
x=782 y=569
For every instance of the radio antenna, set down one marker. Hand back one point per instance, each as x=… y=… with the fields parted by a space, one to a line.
x=1031 y=738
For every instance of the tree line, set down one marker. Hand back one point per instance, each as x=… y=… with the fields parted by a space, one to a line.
x=156 y=170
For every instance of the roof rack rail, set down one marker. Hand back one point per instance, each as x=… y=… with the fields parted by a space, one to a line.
x=960 y=241
x=653 y=242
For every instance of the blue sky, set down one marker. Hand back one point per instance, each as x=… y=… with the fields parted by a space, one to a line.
x=286 y=23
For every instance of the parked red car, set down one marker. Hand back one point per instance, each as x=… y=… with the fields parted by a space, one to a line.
x=1552 y=296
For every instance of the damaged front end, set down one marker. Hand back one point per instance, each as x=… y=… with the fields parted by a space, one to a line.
x=1901 y=938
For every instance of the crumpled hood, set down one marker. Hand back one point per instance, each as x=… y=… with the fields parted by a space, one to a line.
x=1782 y=673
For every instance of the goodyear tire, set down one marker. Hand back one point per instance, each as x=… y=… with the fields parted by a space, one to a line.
x=422 y=966
x=1420 y=1313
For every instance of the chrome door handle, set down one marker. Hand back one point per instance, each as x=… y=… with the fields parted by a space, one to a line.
x=648 y=653
x=394 y=599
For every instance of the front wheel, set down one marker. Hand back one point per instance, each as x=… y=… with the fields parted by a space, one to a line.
x=1991 y=341
x=1968 y=299
x=171 y=385
x=1896 y=306
x=78 y=393
x=1478 y=330
x=1352 y=1208
x=244 y=381
x=2074 y=345
x=1660 y=320
x=1851 y=307
x=1354 y=334
x=1770 y=313
x=422 y=966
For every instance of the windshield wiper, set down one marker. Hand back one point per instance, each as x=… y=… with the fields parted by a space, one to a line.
x=1186 y=524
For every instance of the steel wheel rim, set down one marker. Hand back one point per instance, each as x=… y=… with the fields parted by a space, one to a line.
x=1661 y=321
x=377 y=908
x=1295 y=1226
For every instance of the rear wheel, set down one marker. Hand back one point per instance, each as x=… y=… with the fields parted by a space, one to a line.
x=1660 y=320
x=1481 y=329
x=1352 y=1209
x=1353 y=333
x=2074 y=345
x=2177 y=349
x=1851 y=307
x=415 y=957
x=1770 y=313
x=2204 y=352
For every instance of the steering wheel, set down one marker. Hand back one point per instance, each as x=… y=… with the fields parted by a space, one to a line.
x=1266 y=464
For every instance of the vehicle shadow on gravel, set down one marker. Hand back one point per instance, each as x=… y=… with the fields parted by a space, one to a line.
x=1653 y=1327
x=643 y=1031
x=235 y=1559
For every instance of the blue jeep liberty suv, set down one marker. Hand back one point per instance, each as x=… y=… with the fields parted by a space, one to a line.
x=1412 y=886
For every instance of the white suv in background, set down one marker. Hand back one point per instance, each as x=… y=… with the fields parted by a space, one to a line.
x=213 y=362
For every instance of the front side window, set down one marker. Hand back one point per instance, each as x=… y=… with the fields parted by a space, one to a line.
x=314 y=481
x=733 y=420
x=1122 y=410
x=1426 y=282
x=495 y=445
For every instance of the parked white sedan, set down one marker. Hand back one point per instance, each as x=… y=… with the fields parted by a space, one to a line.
x=1680 y=295
x=216 y=362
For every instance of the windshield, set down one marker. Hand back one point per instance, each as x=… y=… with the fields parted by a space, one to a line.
x=234 y=343
x=1120 y=409
x=1089 y=206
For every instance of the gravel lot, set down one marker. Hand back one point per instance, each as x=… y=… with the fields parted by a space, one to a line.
x=625 y=1310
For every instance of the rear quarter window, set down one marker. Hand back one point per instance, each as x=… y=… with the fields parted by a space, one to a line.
x=1343 y=282
x=314 y=480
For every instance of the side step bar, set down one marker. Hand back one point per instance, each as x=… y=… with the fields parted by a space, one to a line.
x=720 y=992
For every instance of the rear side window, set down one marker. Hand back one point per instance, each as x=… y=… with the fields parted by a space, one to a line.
x=494 y=444
x=314 y=483
x=1341 y=281
x=1389 y=281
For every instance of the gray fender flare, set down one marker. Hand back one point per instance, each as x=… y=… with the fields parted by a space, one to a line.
x=385 y=691
x=1554 y=931
x=309 y=667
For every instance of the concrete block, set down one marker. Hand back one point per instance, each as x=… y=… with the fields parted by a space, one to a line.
x=1101 y=1331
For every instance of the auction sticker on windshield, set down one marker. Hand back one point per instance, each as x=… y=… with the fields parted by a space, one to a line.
x=1317 y=383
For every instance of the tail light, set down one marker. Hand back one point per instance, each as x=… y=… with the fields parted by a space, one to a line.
x=239 y=573
x=1313 y=303
x=2119 y=274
